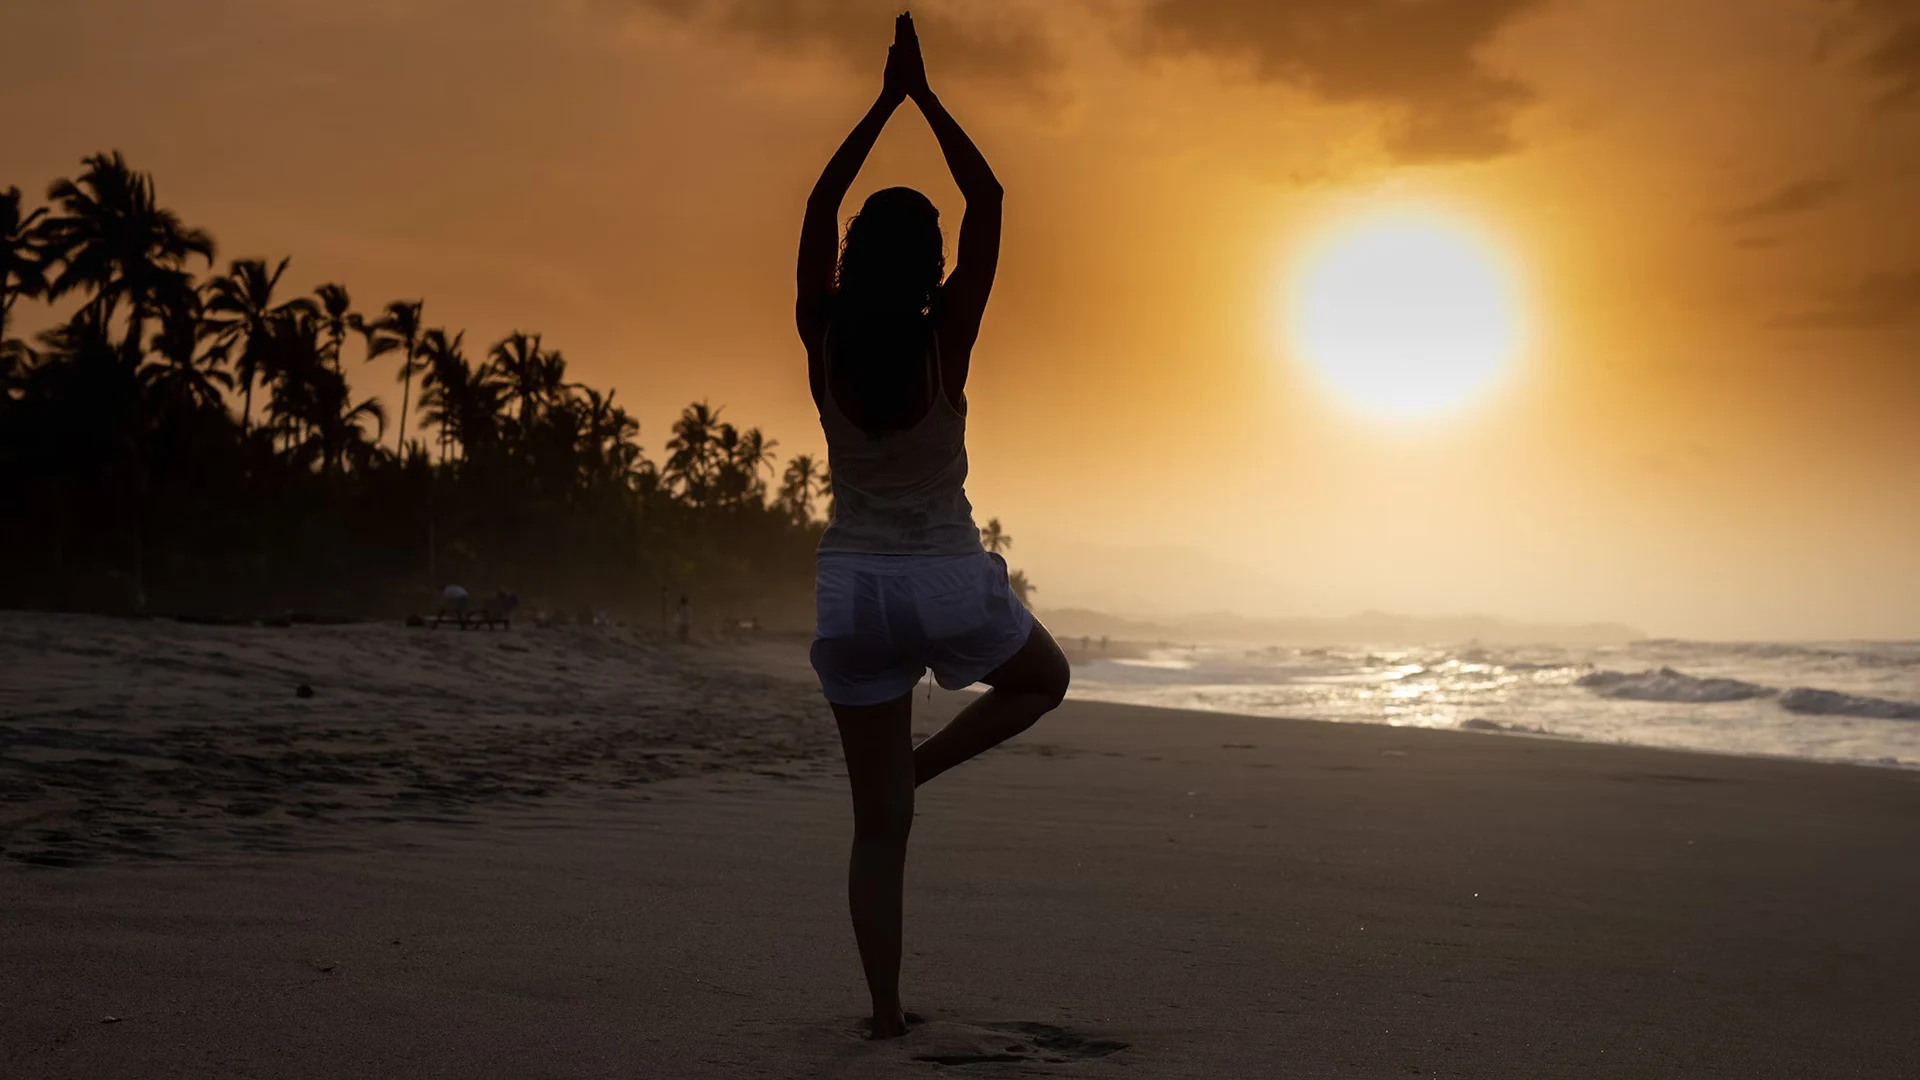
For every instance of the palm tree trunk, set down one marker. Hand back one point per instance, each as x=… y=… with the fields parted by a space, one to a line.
x=406 y=389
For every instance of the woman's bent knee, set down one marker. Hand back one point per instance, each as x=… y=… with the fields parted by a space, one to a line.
x=1055 y=679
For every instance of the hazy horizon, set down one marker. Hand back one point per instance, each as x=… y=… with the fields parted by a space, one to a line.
x=1709 y=433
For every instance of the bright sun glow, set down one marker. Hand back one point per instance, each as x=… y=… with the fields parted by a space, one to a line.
x=1404 y=315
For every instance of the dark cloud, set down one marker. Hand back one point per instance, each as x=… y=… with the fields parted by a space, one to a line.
x=1415 y=57
x=1007 y=47
x=1886 y=300
x=1894 y=61
x=1795 y=198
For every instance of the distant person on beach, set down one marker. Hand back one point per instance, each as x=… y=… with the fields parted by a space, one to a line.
x=453 y=604
x=902 y=583
x=683 y=619
x=505 y=603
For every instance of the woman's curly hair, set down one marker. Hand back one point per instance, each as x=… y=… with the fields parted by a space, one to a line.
x=885 y=303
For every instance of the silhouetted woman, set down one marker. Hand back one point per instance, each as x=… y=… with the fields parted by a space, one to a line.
x=902 y=583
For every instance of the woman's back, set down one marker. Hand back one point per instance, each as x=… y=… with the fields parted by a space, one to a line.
x=899 y=470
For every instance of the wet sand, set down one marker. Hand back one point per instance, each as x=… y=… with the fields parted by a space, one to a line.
x=429 y=868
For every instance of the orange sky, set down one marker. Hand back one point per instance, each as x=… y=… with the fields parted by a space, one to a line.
x=1713 y=432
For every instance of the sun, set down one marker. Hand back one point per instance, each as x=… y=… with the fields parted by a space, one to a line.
x=1404 y=314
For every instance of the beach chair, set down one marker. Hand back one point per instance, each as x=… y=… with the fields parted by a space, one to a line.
x=453 y=608
x=498 y=611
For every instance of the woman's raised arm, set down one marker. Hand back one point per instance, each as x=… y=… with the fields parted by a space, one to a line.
x=820 y=232
x=968 y=287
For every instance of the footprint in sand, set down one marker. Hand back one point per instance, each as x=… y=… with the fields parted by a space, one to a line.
x=953 y=1043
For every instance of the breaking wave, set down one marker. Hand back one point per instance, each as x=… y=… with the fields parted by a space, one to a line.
x=1667 y=684
x=1802 y=699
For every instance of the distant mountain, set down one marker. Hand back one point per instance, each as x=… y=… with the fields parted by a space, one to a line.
x=1153 y=581
x=1367 y=628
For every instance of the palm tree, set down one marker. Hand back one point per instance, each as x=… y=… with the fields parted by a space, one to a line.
x=609 y=434
x=727 y=481
x=186 y=377
x=241 y=310
x=333 y=427
x=518 y=359
x=993 y=538
x=1021 y=587
x=341 y=433
x=294 y=359
x=691 y=451
x=552 y=377
x=619 y=449
x=83 y=366
x=463 y=401
x=398 y=327
x=22 y=268
x=111 y=237
x=337 y=317
x=798 y=486
x=444 y=383
x=82 y=354
x=750 y=454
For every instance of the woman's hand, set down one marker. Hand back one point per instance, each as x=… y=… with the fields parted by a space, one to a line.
x=906 y=71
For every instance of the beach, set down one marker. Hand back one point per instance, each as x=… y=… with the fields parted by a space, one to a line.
x=586 y=852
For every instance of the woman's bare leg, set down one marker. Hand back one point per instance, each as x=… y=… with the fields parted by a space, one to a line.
x=1025 y=688
x=878 y=741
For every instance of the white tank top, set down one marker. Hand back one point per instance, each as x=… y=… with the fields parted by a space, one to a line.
x=898 y=492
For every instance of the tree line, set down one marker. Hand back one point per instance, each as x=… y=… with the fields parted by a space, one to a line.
x=190 y=442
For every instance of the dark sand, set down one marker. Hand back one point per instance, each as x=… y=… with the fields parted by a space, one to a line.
x=1125 y=892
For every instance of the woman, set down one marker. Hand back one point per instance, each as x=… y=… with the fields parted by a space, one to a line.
x=902 y=583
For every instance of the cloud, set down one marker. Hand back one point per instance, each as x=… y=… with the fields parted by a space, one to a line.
x=1895 y=61
x=1798 y=197
x=1008 y=46
x=1881 y=301
x=1416 y=58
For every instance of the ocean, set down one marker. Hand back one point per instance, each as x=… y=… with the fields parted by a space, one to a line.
x=1841 y=701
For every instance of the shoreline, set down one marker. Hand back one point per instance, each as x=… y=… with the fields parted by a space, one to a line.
x=780 y=654
x=762 y=656
x=1546 y=736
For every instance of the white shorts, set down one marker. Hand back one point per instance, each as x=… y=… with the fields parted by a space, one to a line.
x=880 y=621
